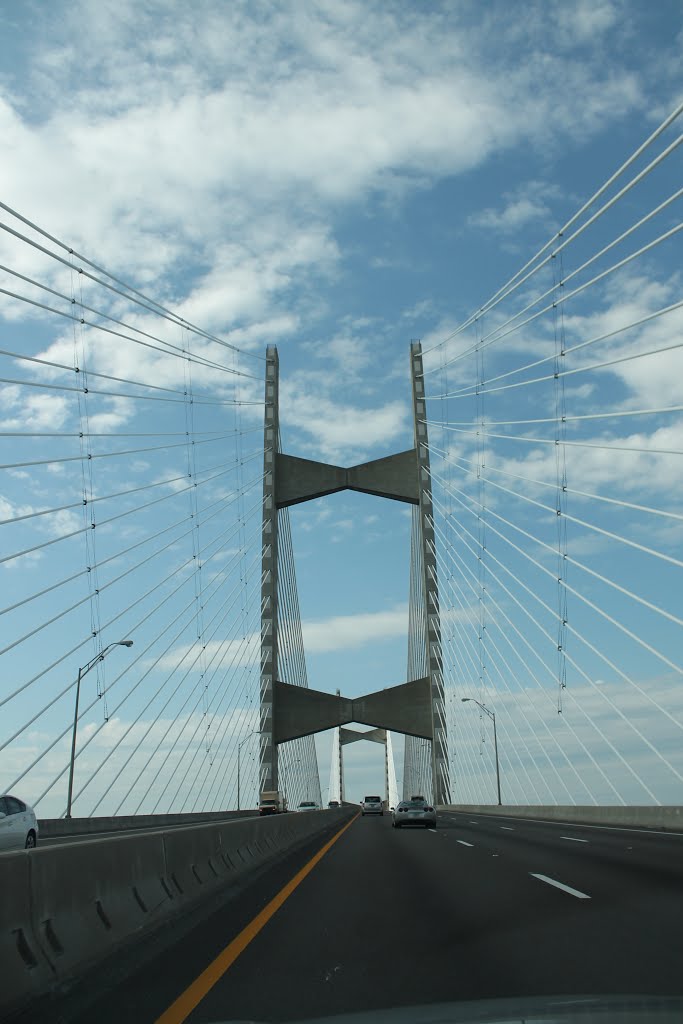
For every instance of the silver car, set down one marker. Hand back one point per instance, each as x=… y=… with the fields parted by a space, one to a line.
x=414 y=812
x=372 y=805
x=18 y=824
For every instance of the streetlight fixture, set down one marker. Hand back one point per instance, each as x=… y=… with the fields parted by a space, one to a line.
x=492 y=716
x=83 y=671
x=254 y=732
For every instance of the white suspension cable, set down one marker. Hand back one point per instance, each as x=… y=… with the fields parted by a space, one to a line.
x=518 y=278
x=588 y=678
x=130 y=292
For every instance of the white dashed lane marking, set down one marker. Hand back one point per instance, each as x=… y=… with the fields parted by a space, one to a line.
x=560 y=885
x=507 y=828
x=463 y=843
x=573 y=840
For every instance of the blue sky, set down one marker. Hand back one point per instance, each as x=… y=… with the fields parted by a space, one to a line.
x=339 y=178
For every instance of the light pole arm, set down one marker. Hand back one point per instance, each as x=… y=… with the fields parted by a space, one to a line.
x=93 y=661
x=483 y=707
x=492 y=716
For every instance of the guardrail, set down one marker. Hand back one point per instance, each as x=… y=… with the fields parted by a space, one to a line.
x=669 y=818
x=65 y=907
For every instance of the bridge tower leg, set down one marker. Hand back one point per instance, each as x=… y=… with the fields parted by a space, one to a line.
x=341 y=761
x=440 y=773
x=268 y=751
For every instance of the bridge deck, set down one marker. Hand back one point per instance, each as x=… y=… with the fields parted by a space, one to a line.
x=391 y=918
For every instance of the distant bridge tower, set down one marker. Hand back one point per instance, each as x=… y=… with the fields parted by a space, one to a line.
x=416 y=707
x=341 y=738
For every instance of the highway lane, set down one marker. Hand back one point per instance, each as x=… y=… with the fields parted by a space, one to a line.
x=621 y=849
x=478 y=908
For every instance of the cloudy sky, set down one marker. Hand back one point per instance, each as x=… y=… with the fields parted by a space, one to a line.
x=338 y=179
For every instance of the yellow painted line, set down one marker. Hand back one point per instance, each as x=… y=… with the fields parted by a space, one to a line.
x=181 y=1009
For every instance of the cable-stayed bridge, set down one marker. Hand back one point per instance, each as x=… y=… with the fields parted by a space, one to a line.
x=146 y=493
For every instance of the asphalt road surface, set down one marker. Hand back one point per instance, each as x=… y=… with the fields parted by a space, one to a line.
x=481 y=907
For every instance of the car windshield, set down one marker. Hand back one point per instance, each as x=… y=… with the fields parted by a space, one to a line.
x=360 y=461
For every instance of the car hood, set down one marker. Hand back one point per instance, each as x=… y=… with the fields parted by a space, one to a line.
x=544 y=1010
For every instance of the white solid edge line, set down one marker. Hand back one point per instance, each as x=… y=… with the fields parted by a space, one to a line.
x=581 y=824
x=561 y=885
x=463 y=843
x=573 y=840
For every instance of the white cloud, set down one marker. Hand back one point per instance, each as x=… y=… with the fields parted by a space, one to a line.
x=604 y=468
x=585 y=20
x=514 y=215
x=348 y=632
x=140 y=155
x=349 y=353
x=338 y=633
x=337 y=430
x=39 y=412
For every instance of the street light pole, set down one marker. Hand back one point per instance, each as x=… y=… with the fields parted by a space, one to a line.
x=492 y=716
x=83 y=671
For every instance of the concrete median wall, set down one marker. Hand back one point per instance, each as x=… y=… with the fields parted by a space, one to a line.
x=668 y=818
x=65 y=907
x=52 y=827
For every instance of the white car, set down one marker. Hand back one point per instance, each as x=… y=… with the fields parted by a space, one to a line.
x=372 y=805
x=308 y=805
x=18 y=824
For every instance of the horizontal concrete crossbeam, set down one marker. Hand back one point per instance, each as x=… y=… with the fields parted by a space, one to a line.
x=405 y=708
x=669 y=818
x=394 y=476
x=353 y=735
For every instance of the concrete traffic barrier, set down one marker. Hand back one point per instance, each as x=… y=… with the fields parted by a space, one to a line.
x=65 y=907
x=24 y=968
x=53 y=827
x=89 y=897
x=194 y=861
x=669 y=818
